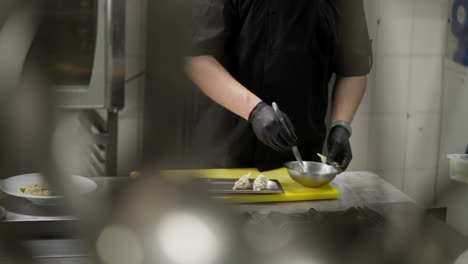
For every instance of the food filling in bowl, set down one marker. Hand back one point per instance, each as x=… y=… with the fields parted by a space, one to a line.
x=39 y=189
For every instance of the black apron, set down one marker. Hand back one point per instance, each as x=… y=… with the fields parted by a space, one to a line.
x=284 y=52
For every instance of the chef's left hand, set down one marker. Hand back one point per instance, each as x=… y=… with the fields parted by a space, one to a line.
x=339 y=148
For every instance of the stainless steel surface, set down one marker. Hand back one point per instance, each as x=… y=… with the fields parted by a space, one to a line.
x=357 y=189
x=115 y=77
x=295 y=150
x=90 y=96
x=315 y=174
x=22 y=209
x=106 y=85
x=112 y=143
x=93 y=125
x=102 y=148
x=56 y=251
x=115 y=54
x=224 y=186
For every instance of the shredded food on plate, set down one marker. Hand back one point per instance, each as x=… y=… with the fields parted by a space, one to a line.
x=39 y=189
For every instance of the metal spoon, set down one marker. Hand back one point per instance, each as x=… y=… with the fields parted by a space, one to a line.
x=295 y=150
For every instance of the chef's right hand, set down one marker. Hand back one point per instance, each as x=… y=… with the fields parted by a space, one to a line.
x=269 y=130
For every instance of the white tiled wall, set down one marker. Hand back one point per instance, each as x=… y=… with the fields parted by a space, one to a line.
x=361 y=121
x=422 y=141
x=449 y=193
x=395 y=31
x=419 y=184
x=392 y=82
x=393 y=176
x=425 y=92
x=429 y=27
x=359 y=140
x=402 y=105
x=387 y=141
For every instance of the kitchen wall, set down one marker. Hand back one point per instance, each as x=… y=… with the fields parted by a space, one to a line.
x=454 y=129
x=397 y=126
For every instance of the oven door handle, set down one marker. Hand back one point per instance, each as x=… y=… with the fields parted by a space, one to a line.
x=115 y=54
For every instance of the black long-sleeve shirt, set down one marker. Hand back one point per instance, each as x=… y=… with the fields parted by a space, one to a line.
x=284 y=51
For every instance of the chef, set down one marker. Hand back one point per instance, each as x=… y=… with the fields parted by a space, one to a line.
x=248 y=54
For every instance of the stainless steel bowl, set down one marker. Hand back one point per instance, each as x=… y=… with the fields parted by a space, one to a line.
x=315 y=175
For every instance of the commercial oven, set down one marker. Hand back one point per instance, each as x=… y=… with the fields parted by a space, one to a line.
x=88 y=69
x=83 y=45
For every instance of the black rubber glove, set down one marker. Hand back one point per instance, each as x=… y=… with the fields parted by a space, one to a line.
x=339 y=148
x=269 y=130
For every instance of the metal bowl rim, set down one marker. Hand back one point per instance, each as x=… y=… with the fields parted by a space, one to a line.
x=335 y=171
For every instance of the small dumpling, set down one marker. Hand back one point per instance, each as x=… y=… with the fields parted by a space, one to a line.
x=260 y=183
x=243 y=183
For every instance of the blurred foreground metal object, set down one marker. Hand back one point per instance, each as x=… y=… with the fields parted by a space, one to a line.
x=16 y=37
x=25 y=113
x=162 y=222
x=3 y=213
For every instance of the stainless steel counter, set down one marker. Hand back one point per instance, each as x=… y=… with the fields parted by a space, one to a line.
x=60 y=251
x=356 y=189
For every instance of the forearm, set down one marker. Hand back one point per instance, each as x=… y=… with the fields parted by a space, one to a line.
x=348 y=94
x=213 y=79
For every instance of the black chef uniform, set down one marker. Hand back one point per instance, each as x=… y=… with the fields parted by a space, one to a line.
x=284 y=51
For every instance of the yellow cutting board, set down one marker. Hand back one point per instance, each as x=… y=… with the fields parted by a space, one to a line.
x=292 y=190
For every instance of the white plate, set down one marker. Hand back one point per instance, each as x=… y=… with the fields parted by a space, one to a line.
x=12 y=187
